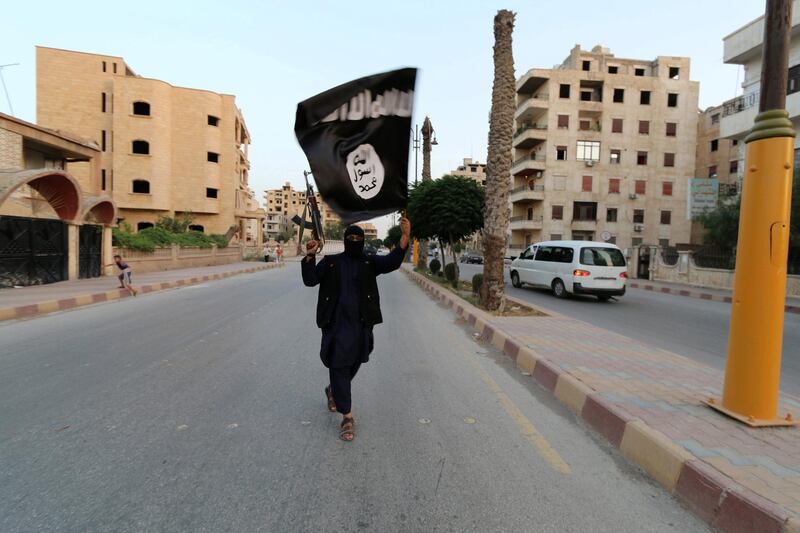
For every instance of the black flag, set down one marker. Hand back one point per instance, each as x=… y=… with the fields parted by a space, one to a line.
x=355 y=137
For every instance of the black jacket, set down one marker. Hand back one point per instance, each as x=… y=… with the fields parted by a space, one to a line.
x=326 y=274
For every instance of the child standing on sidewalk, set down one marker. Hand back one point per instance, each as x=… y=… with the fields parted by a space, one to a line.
x=125 y=275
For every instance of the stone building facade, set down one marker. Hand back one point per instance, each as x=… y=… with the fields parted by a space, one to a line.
x=165 y=150
x=284 y=203
x=603 y=150
x=472 y=170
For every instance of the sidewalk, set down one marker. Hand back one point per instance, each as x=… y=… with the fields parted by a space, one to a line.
x=28 y=302
x=648 y=403
x=703 y=293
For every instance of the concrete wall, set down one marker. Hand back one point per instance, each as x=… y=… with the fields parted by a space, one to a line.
x=687 y=272
x=10 y=149
x=176 y=257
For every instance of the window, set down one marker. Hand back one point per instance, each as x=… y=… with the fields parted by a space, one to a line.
x=563 y=121
x=619 y=95
x=585 y=125
x=641 y=158
x=555 y=236
x=674 y=73
x=672 y=99
x=586 y=185
x=605 y=257
x=143 y=225
x=613 y=186
x=104 y=66
x=666 y=217
x=616 y=156
x=613 y=69
x=586 y=96
x=644 y=98
x=213 y=121
x=211 y=192
x=141 y=147
x=735 y=142
x=669 y=159
x=103 y=140
x=561 y=153
x=644 y=127
x=558 y=212
x=141 y=186
x=555 y=254
x=115 y=68
x=213 y=157
x=672 y=128
x=714 y=145
x=563 y=90
x=196 y=227
x=586 y=65
x=636 y=241
x=588 y=151
x=103 y=179
x=638 y=72
x=141 y=108
x=103 y=102
x=638 y=216
x=793 y=80
x=734 y=167
x=641 y=186
x=666 y=188
x=611 y=214
x=715 y=119
x=586 y=211
x=616 y=125
x=712 y=171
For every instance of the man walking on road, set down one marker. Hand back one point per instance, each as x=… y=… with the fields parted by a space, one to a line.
x=348 y=307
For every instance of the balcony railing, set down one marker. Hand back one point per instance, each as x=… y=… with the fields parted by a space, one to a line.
x=537 y=157
x=740 y=103
x=526 y=219
x=534 y=97
x=526 y=127
x=534 y=188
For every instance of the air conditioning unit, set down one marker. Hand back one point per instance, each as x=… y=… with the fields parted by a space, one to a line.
x=590 y=163
x=633 y=196
x=638 y=228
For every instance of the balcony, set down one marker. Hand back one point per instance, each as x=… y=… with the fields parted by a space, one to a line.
x=528 y=165
x=525 y=223
x=532 y=108
x=529 y=135
x=527 y=193
x=532 y=81
x=583 y=224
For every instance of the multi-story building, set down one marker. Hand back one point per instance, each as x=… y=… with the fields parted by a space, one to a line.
x=165 y=150
x=744 y=47
x=284 y=203
x=603 y=150
x=471 y=169
x=370 y=231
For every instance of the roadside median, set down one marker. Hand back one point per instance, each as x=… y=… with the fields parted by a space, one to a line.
x=648 y=403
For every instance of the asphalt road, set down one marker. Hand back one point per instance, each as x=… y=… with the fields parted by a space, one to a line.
x=688 y=326
x=202 y=409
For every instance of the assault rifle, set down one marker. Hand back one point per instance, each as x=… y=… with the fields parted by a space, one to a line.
x=315 y=224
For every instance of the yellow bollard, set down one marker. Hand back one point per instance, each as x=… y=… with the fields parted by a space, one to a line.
x=416 y=252
x=753 y=369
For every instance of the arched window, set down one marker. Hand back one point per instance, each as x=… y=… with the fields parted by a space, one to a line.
x=196 y=227
x=141 y=147
x=143 y=225
x=141 y=108
x=141 y=186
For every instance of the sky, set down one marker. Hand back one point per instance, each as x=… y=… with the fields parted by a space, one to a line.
x=274 y=54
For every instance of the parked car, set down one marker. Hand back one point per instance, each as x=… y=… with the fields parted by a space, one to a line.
x=572 y=267
x=472 y=257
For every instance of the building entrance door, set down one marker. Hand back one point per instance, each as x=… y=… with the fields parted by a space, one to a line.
x=90 y=249
x=643 y=264
x=33 y=251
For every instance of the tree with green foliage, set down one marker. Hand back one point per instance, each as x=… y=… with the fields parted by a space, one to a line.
x=375 y=243
x=393 y=237
x=284 y=236
x=334 y=231
x=448 y=209
x=177 y=224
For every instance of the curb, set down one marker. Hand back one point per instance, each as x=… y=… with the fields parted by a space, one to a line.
x=52 y=306
x=707 y=493
x=789 y=308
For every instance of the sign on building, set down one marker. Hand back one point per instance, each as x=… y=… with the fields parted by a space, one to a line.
x=703 y=196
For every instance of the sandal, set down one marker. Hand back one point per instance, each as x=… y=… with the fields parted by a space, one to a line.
x=348 y=428
x=331 y=402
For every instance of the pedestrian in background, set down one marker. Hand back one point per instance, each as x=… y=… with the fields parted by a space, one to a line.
x=124 y=275
x=279 y=253
x=348 y=307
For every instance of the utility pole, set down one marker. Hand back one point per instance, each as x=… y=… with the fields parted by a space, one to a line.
x=753 y=369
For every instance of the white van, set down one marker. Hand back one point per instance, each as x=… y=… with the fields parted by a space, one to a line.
x=572 y=267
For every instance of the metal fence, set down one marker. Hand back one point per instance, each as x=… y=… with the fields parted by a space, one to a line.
x=714 y=257
x=669 y=255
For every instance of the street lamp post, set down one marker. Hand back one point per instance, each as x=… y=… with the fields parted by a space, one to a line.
x=428 y=140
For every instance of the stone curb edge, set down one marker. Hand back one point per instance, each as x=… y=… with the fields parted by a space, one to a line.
x=789 y=308
x=51 y=306
x=707 y=492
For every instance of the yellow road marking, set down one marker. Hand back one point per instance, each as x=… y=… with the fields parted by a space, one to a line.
x=526 y=427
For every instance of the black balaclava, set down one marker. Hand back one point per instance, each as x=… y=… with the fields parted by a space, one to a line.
x=354 y=248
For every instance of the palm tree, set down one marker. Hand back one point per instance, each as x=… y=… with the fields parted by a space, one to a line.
x=498 y=164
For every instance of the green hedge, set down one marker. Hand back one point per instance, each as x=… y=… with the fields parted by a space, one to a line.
x=149 y=239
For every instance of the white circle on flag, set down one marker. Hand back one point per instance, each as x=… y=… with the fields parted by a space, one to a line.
x=365 y=170
x=606 y=236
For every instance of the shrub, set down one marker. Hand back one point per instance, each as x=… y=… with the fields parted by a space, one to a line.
x=435 y=266
x=450 y=271
x=477 y=282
